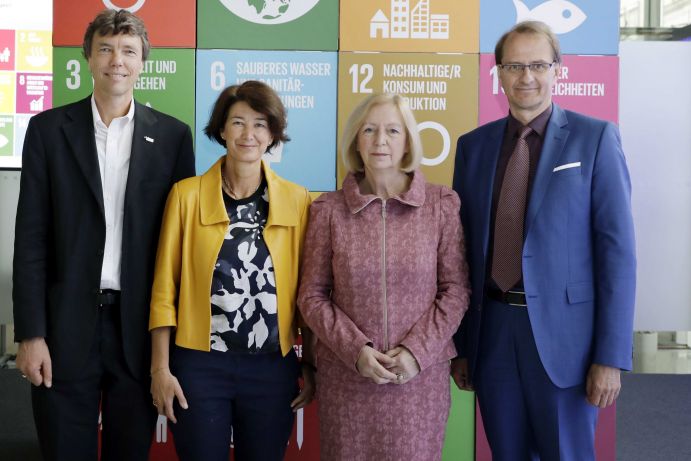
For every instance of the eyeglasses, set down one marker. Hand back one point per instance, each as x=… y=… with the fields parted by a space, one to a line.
x=535 y=67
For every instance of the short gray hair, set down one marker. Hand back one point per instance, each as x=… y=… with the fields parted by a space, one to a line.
x=529 y=27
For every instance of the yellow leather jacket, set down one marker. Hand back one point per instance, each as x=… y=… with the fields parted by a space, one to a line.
x=194 y=225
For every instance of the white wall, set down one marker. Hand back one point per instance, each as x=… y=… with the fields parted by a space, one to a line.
x=655 y=121
x=9 y=194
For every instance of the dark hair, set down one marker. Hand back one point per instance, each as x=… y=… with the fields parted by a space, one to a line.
x=529 y=27
x=116 y=22
x=261 y=98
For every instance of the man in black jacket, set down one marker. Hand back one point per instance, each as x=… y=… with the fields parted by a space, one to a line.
x=95 y=178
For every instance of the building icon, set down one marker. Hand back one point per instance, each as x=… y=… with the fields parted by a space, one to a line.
x=407 y=23
x=439 y=26
x=420 y=20
x=400 y=17
x=379 y=23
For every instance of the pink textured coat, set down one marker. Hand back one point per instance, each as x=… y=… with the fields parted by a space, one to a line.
x=388 y=273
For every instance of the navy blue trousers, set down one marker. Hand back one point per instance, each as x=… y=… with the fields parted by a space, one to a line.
x=66 y=415
x=527 y=417
x=234 y=394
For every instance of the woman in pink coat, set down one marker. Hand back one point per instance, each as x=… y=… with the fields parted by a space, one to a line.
x=384 y=288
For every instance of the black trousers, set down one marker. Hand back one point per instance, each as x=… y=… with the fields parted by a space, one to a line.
x=67 y=414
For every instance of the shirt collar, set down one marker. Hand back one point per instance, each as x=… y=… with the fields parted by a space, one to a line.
x=538 y=124
x=356 y=201
x=97 y=117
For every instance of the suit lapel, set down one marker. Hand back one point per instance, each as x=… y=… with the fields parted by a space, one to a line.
x=487 y=168
x=79 y=132
x=555 y=139
x=144 y=139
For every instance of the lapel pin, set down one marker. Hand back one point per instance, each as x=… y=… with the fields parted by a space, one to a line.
x=149 y=139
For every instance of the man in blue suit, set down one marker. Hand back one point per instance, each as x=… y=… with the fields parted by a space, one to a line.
x=545 y=196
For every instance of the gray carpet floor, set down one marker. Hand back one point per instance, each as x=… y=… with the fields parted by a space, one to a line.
x=653 y=418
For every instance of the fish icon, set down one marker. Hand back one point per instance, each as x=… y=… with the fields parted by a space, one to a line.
x=561 y=15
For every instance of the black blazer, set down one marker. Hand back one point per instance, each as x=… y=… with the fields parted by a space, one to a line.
x=60 y=230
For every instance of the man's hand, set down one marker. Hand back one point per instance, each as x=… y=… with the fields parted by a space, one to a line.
x=459 y=373
x=602 y=385
x=33 y=360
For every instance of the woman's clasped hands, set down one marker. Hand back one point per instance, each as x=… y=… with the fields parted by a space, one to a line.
x=396 y=366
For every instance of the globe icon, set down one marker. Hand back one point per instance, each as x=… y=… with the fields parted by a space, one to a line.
x=269 y=11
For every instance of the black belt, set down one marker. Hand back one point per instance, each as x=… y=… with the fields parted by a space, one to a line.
x=108 y=297
x=512 y=298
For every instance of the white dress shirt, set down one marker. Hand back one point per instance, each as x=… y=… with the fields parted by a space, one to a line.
x=114 y=145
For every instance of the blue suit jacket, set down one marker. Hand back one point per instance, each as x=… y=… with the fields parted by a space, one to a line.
x=579 y=262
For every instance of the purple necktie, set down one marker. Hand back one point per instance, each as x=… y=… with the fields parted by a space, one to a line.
x=510 y=217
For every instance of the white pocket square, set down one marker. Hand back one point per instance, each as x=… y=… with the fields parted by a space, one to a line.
x=149 y=139
x=566 y=166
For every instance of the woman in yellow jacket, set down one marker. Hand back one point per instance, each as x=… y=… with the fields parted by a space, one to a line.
x=225 y=285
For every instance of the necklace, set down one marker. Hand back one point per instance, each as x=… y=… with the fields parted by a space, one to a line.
x=230 y=190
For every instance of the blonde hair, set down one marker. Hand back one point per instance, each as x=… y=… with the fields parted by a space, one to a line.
x=351 y=157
